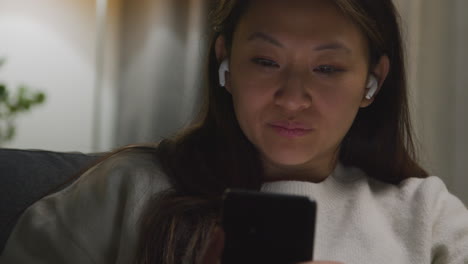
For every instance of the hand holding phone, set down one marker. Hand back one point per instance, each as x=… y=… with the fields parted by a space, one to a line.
x=214 y=249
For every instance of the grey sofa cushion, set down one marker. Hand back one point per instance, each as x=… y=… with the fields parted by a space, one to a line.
x=28 y=175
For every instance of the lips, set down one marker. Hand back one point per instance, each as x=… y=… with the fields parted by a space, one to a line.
x=291 y=125
x=291 y=129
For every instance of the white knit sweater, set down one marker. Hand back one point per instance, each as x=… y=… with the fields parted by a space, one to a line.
x=362 y=220
x=359 y=220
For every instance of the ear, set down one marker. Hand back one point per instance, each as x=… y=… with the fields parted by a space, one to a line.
x=221 y=55
x=380 y=72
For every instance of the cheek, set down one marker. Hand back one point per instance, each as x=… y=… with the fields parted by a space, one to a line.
x=254 y=107
x=339 y=107
x=249 y=99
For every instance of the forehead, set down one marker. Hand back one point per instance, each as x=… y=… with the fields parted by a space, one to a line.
x=305 y=21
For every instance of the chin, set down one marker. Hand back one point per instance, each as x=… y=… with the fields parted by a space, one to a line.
x=288 y=159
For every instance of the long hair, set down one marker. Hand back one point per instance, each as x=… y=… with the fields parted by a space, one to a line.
x=213 y=154
x=380 y=141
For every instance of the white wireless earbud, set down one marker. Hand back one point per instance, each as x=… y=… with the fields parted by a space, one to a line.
x=223 y=68
x=372 y=85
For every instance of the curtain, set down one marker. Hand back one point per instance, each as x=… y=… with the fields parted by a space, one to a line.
x=161 y=68
x=436 y=34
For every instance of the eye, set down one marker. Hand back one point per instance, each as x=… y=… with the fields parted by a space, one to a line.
x=265 y=62
x=327 y=69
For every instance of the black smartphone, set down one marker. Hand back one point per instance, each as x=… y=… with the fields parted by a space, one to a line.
x=267 y=228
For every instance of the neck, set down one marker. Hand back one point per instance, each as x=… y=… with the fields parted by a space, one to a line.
x=304 y=172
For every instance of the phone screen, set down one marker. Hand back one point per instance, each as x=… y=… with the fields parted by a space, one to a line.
x=267 y=228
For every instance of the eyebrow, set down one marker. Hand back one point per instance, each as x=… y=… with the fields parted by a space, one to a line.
x=333 y=46
x=267 y=38
x=264 y=37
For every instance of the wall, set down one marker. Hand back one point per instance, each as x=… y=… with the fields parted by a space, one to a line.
x=51 y=45
x=436 y=36
x=460 y=179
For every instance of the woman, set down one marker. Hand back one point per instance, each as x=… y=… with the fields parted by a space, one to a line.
x=304 y=97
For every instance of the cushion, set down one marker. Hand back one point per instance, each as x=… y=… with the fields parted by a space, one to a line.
x=28 y=175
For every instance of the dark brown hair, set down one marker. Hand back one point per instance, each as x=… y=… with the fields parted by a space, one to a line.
x=213 y=154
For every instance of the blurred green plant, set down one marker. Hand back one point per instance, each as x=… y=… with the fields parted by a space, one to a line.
x=12 y=105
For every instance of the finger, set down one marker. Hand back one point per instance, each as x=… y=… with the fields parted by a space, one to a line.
x=214 y=248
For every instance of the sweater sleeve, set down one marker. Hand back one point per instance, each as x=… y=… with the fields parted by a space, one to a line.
x=450 y=224
x=95 y=220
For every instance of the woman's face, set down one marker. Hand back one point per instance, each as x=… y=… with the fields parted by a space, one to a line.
x=298 y=73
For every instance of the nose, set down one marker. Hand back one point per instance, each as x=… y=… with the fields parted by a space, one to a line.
x=292 y=95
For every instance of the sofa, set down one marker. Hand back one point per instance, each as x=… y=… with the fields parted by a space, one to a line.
x=28 y=175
